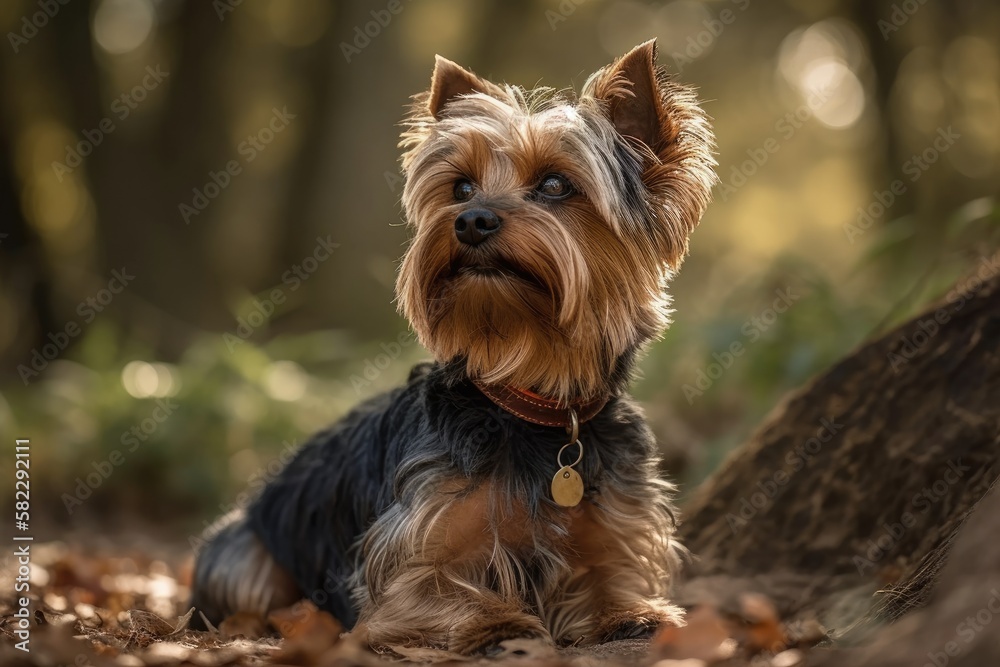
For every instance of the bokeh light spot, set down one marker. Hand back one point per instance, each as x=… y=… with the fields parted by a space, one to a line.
x=121 y=26
x=145 y=380
x=285 y=381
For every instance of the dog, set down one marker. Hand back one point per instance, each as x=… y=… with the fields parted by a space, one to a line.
x=511 y=487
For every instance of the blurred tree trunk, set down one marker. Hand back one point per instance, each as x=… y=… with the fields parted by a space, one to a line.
x=136 y=174
x=317 y=121
x=930 y=206
x=25 y=274
x=859 y=482
x=957 y=627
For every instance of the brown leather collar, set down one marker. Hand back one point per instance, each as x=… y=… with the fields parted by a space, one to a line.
x=536 y=409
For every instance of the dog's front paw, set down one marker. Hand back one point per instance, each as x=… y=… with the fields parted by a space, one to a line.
x=489 y=637
x=632 y=629
x=638 y=624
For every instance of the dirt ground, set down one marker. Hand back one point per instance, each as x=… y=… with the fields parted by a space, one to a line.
x=108 y=606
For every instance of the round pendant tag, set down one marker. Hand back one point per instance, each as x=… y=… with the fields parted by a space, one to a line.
x=567 y=487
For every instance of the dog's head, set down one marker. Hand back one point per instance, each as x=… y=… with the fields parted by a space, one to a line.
x=547 y=227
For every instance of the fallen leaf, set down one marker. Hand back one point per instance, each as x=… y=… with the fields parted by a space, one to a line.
x=788 y=658
x=182 y=623
x=243 y=624
x=805 y=632
x=705 y=637
x=762 y=629
x=166 y=654
x=310 y=633
x=148 y=624
x=303 y=618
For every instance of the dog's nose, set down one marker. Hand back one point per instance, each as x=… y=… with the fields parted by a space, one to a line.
x=473 y=226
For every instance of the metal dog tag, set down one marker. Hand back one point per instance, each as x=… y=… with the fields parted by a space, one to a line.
x=567 y=487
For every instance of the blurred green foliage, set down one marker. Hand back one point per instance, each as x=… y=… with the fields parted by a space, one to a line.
x=819 y=201
x=219 y=418
x=826 y=322
x=234 y=406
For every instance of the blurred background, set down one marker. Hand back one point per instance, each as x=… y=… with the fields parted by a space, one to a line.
x=200 y=219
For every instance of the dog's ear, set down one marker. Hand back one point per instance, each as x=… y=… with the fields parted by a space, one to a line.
x=631 y=90
x=663 y=119
x=451 y=81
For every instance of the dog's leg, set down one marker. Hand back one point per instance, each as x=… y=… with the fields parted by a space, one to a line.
x=234 y=573
x=446 y=606
x=623 y=561
x=442 y=573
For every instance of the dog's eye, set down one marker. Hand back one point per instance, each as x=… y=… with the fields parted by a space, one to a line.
x=464 y=190
x=554 y=186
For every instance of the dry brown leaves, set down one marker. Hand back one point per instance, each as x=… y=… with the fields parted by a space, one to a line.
x=130 y=611
x=753 y=633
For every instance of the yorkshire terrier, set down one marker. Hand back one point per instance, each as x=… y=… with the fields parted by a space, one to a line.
x=511 y=487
